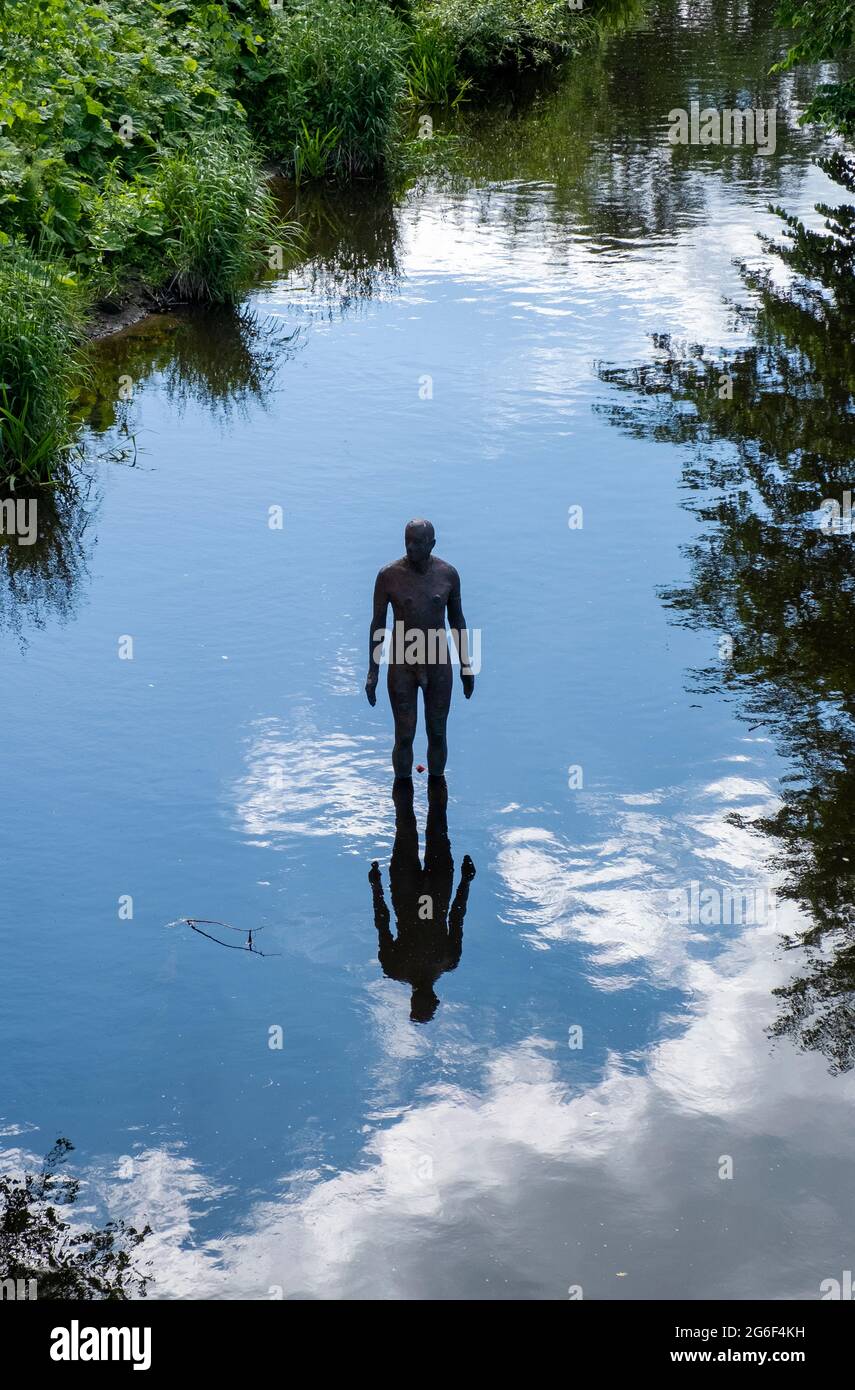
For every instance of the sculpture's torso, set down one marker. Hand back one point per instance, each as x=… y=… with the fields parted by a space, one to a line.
x=418 y=600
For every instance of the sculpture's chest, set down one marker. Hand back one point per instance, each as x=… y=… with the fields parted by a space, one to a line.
x=423 y=594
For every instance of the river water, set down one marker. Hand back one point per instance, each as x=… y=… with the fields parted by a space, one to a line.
x=598 y=1103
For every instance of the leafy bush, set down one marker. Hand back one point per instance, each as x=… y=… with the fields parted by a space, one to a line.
x=125 y=166
x=490 y=34
x=823 y=29
x=86 y=89
x=332 y=67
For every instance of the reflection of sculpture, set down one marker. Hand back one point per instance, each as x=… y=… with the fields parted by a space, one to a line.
x=430 y=935
x=420 y=588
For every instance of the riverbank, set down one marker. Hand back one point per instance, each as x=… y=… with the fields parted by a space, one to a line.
x=134 y=144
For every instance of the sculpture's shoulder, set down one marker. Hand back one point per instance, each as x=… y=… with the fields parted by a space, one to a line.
x=447 y=571
x=390 y=572
x=388 y=580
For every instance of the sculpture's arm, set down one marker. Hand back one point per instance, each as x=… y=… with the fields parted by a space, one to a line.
x=381 y=911
x=375 y=641
x=460 y=635
x=458 y=912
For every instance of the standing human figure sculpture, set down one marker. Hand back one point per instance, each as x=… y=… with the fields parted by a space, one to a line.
x=421 y=588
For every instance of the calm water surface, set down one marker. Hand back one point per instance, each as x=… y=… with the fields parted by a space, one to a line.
x=233 y=769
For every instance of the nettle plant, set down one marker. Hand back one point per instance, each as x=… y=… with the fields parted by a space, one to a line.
x=85 y=90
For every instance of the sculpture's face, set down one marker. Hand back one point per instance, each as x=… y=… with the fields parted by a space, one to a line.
x=419 y=542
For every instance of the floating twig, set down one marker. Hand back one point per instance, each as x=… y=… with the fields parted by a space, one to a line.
x=197 y=923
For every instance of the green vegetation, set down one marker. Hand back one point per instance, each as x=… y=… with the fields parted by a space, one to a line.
x=35 y=1242
x=330 y=83
x=196 y=226
x=40 y=337
x=486 y=35
x=217 y=218
x=433 y=75
x=127 y=170
x=824 y=29
x=91 y=93
x=313 y=152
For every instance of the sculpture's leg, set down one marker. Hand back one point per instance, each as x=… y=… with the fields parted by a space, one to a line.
x=437 y=703
x=403 y=693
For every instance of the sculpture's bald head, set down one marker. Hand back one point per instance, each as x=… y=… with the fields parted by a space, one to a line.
x=419 y=540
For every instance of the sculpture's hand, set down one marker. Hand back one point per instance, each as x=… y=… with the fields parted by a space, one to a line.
x=467 y=868
x=468 y=685
x=371 y=688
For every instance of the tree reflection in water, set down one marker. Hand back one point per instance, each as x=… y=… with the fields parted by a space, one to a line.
x=771 y=429
x=38 y=581
x=223 y=359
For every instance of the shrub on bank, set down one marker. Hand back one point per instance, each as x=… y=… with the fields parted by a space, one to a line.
x=330 y=84
x=88 y=89
x=125 y=168
x=487 y=35
x=199 y=226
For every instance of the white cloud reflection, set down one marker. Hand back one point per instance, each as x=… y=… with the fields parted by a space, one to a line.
x=527 y=1184
x=527 y=1181
x=614 y=896
x=300 y=782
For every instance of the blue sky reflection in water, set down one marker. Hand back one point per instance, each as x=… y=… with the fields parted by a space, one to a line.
x=233 y=769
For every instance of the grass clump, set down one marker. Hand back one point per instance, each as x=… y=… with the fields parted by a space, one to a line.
x=40 y=361
x=433 y=74
x=219 y=221
x=199 y=225
x=330 y=86
x=313 y=152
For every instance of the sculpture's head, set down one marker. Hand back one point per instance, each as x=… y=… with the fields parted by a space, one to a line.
x=419 y=540
x=423 y=1003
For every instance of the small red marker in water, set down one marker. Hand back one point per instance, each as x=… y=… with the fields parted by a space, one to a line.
x=420 y=767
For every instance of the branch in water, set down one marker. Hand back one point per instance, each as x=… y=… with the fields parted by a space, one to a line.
x=195 y=924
